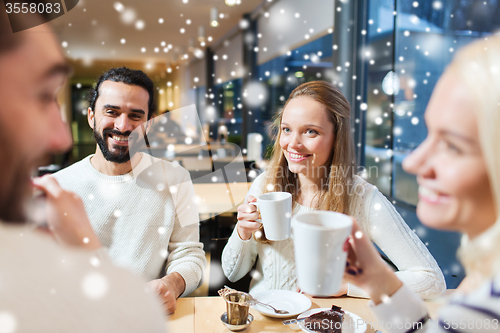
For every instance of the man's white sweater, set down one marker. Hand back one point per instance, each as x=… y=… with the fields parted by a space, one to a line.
x=145 y=218
x=46 y=287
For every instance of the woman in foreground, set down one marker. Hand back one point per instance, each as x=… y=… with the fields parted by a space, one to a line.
x=458 y=171
x=313 y=159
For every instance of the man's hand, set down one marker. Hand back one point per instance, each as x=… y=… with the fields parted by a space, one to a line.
x=169 y=288
x=66 y=216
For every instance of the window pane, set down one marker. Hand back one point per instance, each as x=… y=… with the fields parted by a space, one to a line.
x=228 y=103
x=378 y=56
x=427 y=37
x=409 y=45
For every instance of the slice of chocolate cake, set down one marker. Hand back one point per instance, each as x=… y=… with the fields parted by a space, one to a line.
x=329 y=321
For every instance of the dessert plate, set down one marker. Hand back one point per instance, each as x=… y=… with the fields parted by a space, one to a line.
x=352 y=322
x=290 y=301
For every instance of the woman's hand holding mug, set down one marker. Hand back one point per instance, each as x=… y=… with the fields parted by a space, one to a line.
x=247 y=216
x=366 y=269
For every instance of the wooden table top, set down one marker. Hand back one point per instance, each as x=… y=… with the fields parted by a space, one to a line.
x=202 y=314
x=196 y=163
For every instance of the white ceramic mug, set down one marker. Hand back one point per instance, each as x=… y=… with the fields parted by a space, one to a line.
x=319 y=239
x=276 y=214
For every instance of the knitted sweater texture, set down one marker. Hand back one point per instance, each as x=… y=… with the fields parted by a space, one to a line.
x=147 y=218
x=378 y=218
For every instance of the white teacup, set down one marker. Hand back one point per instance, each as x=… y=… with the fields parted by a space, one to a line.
x=319 y=239
x=276 y=214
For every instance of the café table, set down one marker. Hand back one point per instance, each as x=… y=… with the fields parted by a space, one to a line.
x=196 y=164
x=202 y=314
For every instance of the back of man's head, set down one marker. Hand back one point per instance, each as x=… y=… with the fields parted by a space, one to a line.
x=9 y=202
x=8 y=40
x=127 y=76
x=33 y=70
x=11 y=23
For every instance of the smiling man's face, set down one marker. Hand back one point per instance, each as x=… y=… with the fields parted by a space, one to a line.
x=119 y=110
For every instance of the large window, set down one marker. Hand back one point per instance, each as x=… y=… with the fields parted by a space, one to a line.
x=409 y=45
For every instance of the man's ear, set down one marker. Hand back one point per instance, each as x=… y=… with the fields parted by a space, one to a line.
x=90 y=117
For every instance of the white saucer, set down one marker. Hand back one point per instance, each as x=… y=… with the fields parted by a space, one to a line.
x=290 y=301
x=352 y=322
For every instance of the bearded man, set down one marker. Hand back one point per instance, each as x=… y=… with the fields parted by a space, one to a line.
x=140 y=207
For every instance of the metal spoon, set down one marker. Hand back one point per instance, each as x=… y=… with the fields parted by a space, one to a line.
x=272 y=307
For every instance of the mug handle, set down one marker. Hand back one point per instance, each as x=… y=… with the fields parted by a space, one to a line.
x=256 y=204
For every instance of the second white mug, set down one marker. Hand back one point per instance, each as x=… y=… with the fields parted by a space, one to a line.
x=319 y=239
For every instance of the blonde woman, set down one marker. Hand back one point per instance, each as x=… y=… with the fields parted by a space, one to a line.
x=458 y=171
x=314 y=160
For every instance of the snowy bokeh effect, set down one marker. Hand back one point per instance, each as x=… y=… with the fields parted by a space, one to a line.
x=94 y=261
x=390 y=83
x=95 y=285
x=211 y=113
x=164 y=253
x=198 y=53
x=255 y=94
x=8 y=322
x=291 y=23
x=421 y=232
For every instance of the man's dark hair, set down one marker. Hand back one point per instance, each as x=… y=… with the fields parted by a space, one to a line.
x=127 y=76
x=8 y=40
x=12 y=23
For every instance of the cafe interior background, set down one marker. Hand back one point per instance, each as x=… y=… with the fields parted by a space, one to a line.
x=237 y=61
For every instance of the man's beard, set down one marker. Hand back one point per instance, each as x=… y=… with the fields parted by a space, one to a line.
x=122 y=152
x=15 y=187
x=13 y=206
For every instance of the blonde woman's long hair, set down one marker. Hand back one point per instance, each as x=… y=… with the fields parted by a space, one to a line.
x=334 y=191
x=478 y=65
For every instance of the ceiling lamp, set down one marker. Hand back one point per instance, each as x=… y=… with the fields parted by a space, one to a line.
x=230 y=2
x=201 y=33
x=214 y=17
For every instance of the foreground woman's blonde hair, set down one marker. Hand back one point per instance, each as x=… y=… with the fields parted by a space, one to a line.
x=334 y=189
x=478 y=65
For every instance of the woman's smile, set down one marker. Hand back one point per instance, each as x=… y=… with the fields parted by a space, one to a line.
x=298 y=157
